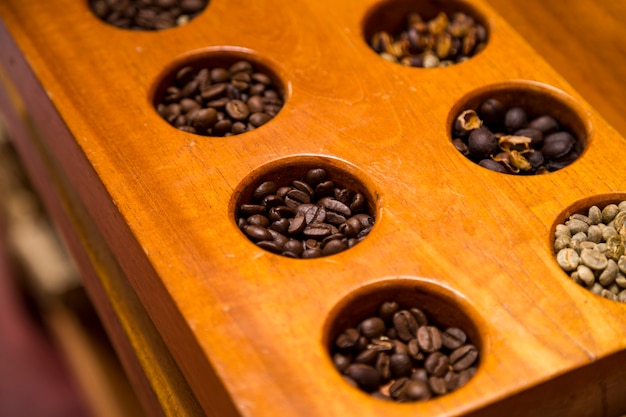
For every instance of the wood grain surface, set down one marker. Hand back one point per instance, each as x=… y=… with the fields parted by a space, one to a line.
x=248 y=329
x=584 y=41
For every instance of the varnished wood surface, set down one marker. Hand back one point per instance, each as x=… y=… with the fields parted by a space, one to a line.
x=585 y=41
x=248 y=328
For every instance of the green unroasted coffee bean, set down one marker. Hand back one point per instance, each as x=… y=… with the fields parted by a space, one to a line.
x=586 y=275
x=608 y=276
x=593 y=259
x=568 y=259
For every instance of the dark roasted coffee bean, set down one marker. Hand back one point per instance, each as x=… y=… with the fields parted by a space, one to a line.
x=419 y=374
x=316 y=176
x=255 y=104
x=546 y=124
x=315 y=214
x=515 y=119
x=294 y=246
x=303 y=186
x=387 y=310
x=347 y=339
x=271 y=201
x=382 y=366
x=453 y=338
x=258 y=119
x=405 y=324
x=492 y=165
x=341 y=361
x=334 y=246
x=312 y=253
x=247 y=210
x=317 y=231
x=398 y=388
x=372 y=327
x=437 y=364
x=367 y=356
x=257 y=233
x=417 y=391
x=271 y=246
x=420 y=316
x=296 y=225
x=365 y=376
x=296 y=197
x=463 y=357
x=492 y=112
x=557 y=145
x=258 y=220
x=357 y=204
x=535 y=135
x=482 y=143
x=400 y=365
x=452 y=380
x=237 y=110
x=266 y=188
x=429 y=338
x=437 y=385
x=414 y=350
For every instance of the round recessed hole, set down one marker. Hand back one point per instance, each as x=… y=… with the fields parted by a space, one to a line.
x=520 y=128
x=305 y=207
x=219 y=92
x=403 y=340
x=425 y=34
x=589 y=241
x=143 y=15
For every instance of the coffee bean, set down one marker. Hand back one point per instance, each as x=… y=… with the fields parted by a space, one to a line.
x=347 y=339
x=405 y=324
x=316 y=176
x=438 y=385
x=593 y=259
x=372 y=327
x=517 y=146
x=515 y=119
x=453 y=338
x=258 y=119
x=237 y=110
x=437 y=364
x=492 y=165
x=227 y=92
x=429 y=338
x=482 y=143
x=545 y=124
x=557 y=145
x=463 y=357
x=492 y=111
x=364 y=375
x=387 y=310
x=400 y=365
x=341 y=361
x=368 y=356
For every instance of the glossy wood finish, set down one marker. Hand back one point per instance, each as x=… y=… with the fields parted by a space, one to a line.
x=584 y=41
x=249 y=330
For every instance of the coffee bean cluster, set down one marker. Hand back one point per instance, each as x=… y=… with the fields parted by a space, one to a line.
x=590 y=248
x=147 y=14
x=511 y=141
x=439 y=42
x=399 y=355
x=220 y=101
x=307 y=218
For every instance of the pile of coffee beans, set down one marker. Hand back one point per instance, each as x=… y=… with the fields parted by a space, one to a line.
x=590 y=248
x=220 y=101
x=439 y=42
x=308 y=218
x=511 y=141
x=398 y=355
x=147 y=14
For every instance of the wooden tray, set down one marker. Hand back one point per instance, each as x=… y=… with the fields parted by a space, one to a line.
x=151 y=210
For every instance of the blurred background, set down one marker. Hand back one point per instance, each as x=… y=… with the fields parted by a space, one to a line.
x=55 y=357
